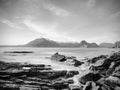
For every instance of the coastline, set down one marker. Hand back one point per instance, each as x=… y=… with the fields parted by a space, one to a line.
x=98 y=73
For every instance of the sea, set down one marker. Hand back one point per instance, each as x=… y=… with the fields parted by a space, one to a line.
x=42 y=55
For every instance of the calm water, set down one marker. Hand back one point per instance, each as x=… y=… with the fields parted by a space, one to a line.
x=40 y=54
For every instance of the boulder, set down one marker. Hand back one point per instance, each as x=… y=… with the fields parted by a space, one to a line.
x=71 y=73
x=67 y=59
x=90 y=77
x=58 y=57
x=74 y=62
x=90 y=86
x=95 y=59
x=77 y=63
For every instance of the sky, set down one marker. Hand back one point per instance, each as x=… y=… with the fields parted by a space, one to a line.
x=60 y=20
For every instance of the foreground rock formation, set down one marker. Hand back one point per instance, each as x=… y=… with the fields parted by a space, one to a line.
x=102 y=73
x=16 y=76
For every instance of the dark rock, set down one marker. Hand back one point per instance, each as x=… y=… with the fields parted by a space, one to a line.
x=4 y=77
x=95 y=59
x=70 y=81
x=103 y=67
x=44 y=88
x=60 y=85
x=110 y=71
x=69 y=60
x=77 y=63
x=71 y=73
x=109 y=83
x=90 y=77
x=57 y=74
x=58 y=57
x=75 y=87
x=90 y=86
x=116 y=72
x=34 y=77
x=9 y=87
x=70 y=57
x=105 y=76
x=18 y=52
x=112 y=81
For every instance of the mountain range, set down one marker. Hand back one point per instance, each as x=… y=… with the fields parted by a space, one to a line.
x=43 y=42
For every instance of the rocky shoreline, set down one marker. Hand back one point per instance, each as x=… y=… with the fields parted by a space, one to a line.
x=98 y=73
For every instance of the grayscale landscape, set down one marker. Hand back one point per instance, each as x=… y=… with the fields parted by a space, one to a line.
x=59 y=44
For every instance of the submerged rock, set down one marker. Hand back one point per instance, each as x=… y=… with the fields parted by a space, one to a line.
x=18 y=52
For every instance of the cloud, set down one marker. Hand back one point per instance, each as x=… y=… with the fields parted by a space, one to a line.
x=91 y=3
x=116 y=15
x=10 y=24
x=45 y=30
x=42 y=29
x=56 y=10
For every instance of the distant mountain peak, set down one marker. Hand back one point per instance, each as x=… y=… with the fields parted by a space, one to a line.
x=83 y=41
x=85 y=44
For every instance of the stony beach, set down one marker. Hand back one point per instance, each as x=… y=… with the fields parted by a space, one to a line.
x=98 y=73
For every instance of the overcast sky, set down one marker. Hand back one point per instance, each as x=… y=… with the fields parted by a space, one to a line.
x=61 y=20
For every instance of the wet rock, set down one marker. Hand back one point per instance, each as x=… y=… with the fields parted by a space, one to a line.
x=113 y=80
x=71 y=73
x=90 y=86
x=44 y=88
x=57 y=74
x=105 y=76
x=18 y=52
x=64 y=73
x=70 y=81
x=116 y=72
x=60 y=85
x=75 y=87
x=95 y=59
x=110 y=71
x=67 y=59
x=58 y=57
x=90 y=77
x=9 y=87
x=102 y=68
x=109 y=83
x=70 y=57
x=77 y=63
x=35 y=77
